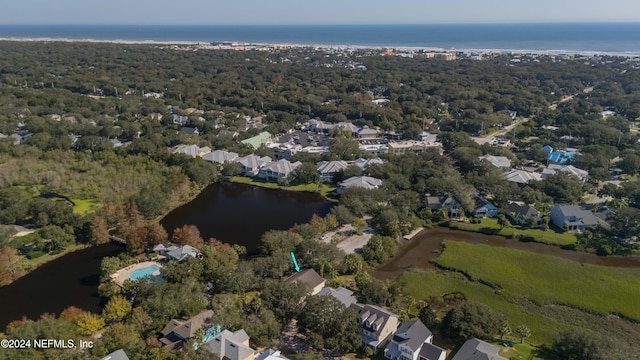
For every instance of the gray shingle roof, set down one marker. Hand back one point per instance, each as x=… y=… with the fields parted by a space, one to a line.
x=497 y=161
x=475 y=349
x=331 y=166
x=220 y=156
x=343 y=295
x=521 y=176
x=431 y=352
x=230 y=345
x=413 y=333
x=116 y=355
x=366 y=182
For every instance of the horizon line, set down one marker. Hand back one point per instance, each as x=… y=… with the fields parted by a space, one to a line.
x=576 y=22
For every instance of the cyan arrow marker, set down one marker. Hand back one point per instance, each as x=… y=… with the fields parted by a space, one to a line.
x=295 y=262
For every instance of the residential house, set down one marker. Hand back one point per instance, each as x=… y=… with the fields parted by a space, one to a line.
x=364 y=163
x=251 y=164
x=377 y=325
x=229 y=345
x=483 y=207
x=502 y=162
x=191 y=150
x=115 y=143
x=310 y=278
x=178 y=119
x=523 y=214
x=190 y=130
x=411 y=146
x=521 y=177
x=328 y=169
x=572 y=217
x=474 y=349
x=271 y=354
x=432 y=352
x=373 y=149
x=367 y=133
x=559 y=156
x=319 y=127
x=177 y=331
x=116 y=355
x=345 y=296
x=348 y=126
x=408 y=340
x=552 y=169
x=285 y=150
x=366 y=182
x=176 y=252
x=280 y=169
x=261 y=139
x=228 y=133
x=220 y=156
x=447 y=202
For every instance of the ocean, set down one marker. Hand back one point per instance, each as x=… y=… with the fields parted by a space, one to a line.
x=571 y=37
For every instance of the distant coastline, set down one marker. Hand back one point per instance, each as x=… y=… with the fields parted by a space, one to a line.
x=620 y=39
x=240 y=45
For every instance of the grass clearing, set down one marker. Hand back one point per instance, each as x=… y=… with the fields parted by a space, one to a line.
x=82 y=206
x=490 y=226
x=30 y=264
x=323 y=189
x=547 y=279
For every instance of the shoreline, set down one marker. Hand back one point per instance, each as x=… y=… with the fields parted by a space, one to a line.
x=242 y=45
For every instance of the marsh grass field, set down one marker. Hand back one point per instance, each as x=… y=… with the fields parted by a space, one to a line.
x=550 y=295
x=490 y=226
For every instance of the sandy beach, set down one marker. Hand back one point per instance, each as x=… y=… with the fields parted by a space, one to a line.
x=238 y=45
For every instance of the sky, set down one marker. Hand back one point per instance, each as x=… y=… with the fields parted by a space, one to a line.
x=260 y=12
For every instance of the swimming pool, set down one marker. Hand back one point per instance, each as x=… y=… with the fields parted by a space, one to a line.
x=146 y=271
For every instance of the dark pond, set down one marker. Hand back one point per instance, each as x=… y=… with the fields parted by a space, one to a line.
x=426 y=246
x=240 y=214
x=71 y=280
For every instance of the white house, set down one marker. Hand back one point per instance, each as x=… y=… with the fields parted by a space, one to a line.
x=220 y=156
x=251 y=164
x=280 y=169
x=328 y=169
x=408 y=341
x=502 y=162
x=572 y=217
x=365 y=182
x=364 y=163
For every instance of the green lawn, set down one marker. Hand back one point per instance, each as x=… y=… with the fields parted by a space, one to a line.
x=490 y=226
x=83 y=206
x=547 y=279
x=322 y=189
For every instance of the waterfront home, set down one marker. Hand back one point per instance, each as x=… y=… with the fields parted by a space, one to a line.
x=552 y=169
x=408 y=341
x=229 y=345
x=365 y=182
x=277 y=170
x=310 y=278
x=345 y=296
x=251 y=164
x=475 y=349
x=377 y=325
x=329 y=169
x=572 y=217
x=176 y=252
x=447 y=202
x=502 y=162
x=523 y=214
x=483 y=207
x=220 y=156
x=177 y=331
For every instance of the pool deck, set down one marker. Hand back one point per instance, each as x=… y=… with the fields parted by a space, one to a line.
x=124 y=274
